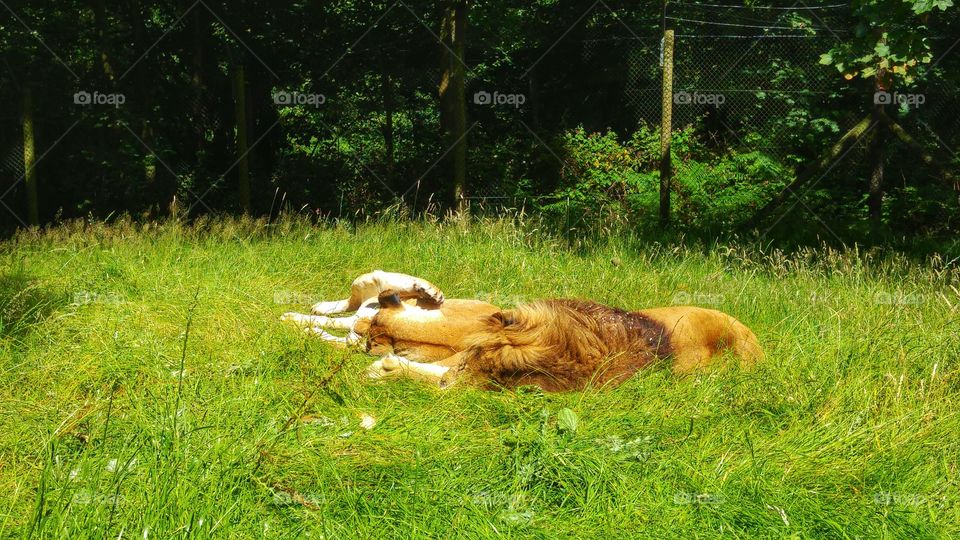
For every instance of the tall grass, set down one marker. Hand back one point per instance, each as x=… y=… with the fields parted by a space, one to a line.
x=148 y=390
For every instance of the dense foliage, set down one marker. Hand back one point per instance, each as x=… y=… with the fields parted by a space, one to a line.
x=136 y=107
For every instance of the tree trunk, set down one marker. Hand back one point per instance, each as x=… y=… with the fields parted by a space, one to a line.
x=149 y=160
x=240 y=114
x=877 y=148
x=144 y=86
x=836 y=151
x=100 y=23
x=388 y=118
x=198 y=23
x=533 y=100
x=453 y=106
x=875 y=188
x=926 y=158
x=29 y=159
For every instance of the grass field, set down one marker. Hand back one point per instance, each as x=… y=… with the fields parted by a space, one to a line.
x=148 y=390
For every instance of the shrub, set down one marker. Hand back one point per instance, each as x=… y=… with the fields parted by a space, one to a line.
x=607 y=182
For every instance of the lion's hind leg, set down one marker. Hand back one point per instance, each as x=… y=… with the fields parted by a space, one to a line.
x=369 y=286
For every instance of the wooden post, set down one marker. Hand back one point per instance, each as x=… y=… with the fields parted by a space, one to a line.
x=666 y=128
x=453 y=96
x=240 y=113
x=29 y=159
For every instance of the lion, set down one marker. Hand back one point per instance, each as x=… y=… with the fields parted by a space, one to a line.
x=557 y=345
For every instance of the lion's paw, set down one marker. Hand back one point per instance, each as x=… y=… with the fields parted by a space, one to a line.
x=428 y=292
x=376 y=370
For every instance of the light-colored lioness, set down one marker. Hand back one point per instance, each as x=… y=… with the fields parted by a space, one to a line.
x=554 y=344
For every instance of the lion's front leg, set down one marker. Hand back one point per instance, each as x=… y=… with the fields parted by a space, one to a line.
x=331 y=308
x=305 y=321
x=393 y=366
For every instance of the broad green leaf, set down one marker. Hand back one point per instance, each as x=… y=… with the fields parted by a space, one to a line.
x=567 y=421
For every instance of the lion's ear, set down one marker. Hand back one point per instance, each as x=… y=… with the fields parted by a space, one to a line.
x=503 y=318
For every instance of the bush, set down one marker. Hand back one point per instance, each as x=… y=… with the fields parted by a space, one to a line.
x=607 y=182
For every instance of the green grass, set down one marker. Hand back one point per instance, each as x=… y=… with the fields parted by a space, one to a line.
x=848 y=430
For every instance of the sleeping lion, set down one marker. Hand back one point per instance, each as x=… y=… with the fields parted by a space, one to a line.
x=557 y=345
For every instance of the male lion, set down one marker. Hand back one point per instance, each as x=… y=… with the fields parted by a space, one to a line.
x=554 y=344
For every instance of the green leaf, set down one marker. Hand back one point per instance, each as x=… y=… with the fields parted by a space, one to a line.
x=923 y=6
x=882 y=49
x=567 y=421
x=826 y=58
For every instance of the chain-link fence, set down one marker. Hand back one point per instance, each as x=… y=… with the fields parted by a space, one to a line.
x=750 y=92
x=746 y=80
x=753 y=81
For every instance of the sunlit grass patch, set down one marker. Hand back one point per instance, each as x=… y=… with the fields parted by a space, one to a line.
x=114 y=420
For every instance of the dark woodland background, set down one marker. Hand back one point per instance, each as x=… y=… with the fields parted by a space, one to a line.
x=343 y=109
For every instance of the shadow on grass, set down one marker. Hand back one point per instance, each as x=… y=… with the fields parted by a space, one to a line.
x=24 y=302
